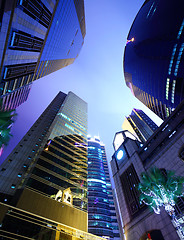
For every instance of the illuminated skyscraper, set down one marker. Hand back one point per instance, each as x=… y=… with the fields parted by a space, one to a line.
x=163 y=150
x=139 y=124
x=102 y=220
x=46 y=173
x=153 y=57
x=38 y=37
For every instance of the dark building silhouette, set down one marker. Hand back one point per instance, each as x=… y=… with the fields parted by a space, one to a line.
x=37 y=38
x=102 y=219
x=153 y=57
x=139 y=124
x=164 y=150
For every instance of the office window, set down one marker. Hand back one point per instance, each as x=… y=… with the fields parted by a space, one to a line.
x=25 y=42
x=18 y=70
x=129 y=182
x=37 y=10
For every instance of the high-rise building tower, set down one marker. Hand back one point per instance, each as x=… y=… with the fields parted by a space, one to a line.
x=38 y=37
x=102 y=220
x=163 y=150
x=45 y=176
x=139 y=124
x=153 y=57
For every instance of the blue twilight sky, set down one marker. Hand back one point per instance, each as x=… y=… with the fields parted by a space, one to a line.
x=96 y=76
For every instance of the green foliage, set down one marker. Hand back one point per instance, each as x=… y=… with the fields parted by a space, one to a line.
x=160 y=188
x=6 y=121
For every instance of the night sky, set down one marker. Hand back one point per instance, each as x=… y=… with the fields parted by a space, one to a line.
x=96 y=76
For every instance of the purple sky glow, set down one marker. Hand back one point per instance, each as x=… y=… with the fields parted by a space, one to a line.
x=96 y=76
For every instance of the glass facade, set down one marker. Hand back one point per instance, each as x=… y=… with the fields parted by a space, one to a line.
x=46 y=173
x=63 y=146
x=37 y=38
x=64 y=39
x=102 y=220
x=139 y=124
x=28 y=148
x=62 y=165
x=153 y=57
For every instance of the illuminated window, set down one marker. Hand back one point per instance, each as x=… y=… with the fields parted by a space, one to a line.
x=180 y=30
x=167 y=89
x=172 y=58
x=178 y=59
x=172 y=134
x=173 y=90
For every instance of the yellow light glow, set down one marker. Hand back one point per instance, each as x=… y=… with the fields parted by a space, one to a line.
x=131 y=40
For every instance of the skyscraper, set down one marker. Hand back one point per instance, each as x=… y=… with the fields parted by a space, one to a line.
x=38 y=37
x=163 y=150
x=139 y=124
x=153 y=57
x=102 y=220
x=46 y=173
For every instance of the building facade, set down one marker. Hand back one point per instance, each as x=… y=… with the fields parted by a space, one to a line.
x=139 y=124
x=37 y=38
x=153 y=57
x=164 y=150
x=44 y=179
x=102 y=219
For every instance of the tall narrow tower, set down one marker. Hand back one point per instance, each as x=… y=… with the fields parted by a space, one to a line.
x=139 y=124
x=38 y=37
x=102 y=220
x=46 y=173
x=153 y=57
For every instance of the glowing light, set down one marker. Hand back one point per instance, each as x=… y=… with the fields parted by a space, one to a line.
x=96 y=180
x=118 y=140
x=120 y=154
x=70 y=120
x=131 y=40
x=167 y=88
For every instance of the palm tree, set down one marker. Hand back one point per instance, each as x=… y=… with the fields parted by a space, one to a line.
x=6 y=121
x=159 y=187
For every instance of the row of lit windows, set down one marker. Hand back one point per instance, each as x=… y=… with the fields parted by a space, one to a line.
x=180 y=30
x=173 y=91
x=178 y=59
x=172 y=59
x=167 y=89
x=70 y=120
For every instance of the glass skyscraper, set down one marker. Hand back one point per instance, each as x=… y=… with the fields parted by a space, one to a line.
x=153 y=57
x=44 y=179
x=102 y=220
x=37 y=37
x=139 y=124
